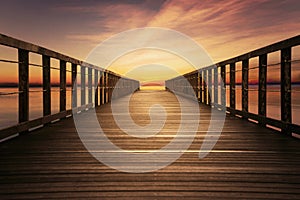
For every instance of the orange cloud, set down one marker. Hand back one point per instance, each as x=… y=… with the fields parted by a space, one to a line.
x=224 y=28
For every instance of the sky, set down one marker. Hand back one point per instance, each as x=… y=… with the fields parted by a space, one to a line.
x=224 y=28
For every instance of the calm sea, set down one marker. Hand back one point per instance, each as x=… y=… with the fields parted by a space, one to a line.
x=9 y=103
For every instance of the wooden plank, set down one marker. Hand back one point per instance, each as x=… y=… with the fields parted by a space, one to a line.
x=63 y=86
x=53 y=163
x=262 y=87
x=23 y=58
x=285 y=88
x=46 y=86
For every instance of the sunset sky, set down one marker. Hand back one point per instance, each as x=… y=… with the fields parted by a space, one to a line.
x=224 y=28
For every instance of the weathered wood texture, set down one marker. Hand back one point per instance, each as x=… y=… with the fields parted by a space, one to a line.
x=248 y=162
x=23 y=57
x=63 y=86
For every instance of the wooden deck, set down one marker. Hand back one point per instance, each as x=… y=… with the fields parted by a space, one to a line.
x=248 y=161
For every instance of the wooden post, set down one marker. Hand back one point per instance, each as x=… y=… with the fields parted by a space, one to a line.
x=262 y=87
x=223 y=87
x=195 y=84
x=191 y=86
x=105 y=87
x=216 y=87
x=245 y=81
x=82 y=86
x=96 y=87
x=90 y=94
x=46 y=86
x=286 y=103
x=232 y=86
x=108 y=86
x=23 y=57
x=74 y=85
x=101 y=88
x=115 y=89
x=209 y=86
x=63 y=85
x=200 y=86
x=205 y=87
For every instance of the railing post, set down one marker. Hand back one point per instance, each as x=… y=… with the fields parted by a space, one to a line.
x=108 y=86
x=262 y=86
x=223 y=87
x=232 y=88
x=209 y=87
x=200 y=86
x=82 y=85
x=23 y=57
x=286 y=103
x=197 y=86
x=101 y=87
x=245 y=81
x=90 y=94
x=216 y=88
x=74 y=85
x=105 y=87
x=96 y=87
x=205 y=87
x=63 y=85
x=46 y=86
x=116 y=89
x=196 y=79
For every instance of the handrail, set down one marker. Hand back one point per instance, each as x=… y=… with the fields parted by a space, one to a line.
x=104 y=82
x=207 y=88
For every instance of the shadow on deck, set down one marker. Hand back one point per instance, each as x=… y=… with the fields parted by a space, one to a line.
x=248 y=161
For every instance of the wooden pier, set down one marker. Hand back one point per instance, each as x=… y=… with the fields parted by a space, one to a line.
x=256 y=157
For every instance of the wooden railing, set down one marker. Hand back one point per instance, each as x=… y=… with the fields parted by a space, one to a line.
x=104 y=82
x=209 y=89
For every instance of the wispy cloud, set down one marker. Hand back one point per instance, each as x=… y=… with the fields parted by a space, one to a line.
x=224 y=28
x=235 y=25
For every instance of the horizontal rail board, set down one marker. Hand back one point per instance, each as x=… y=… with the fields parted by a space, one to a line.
x=32 y=124
x=19 y=44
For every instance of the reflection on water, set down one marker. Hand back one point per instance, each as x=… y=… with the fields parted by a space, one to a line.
x=9 y=103
x=273 y=101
